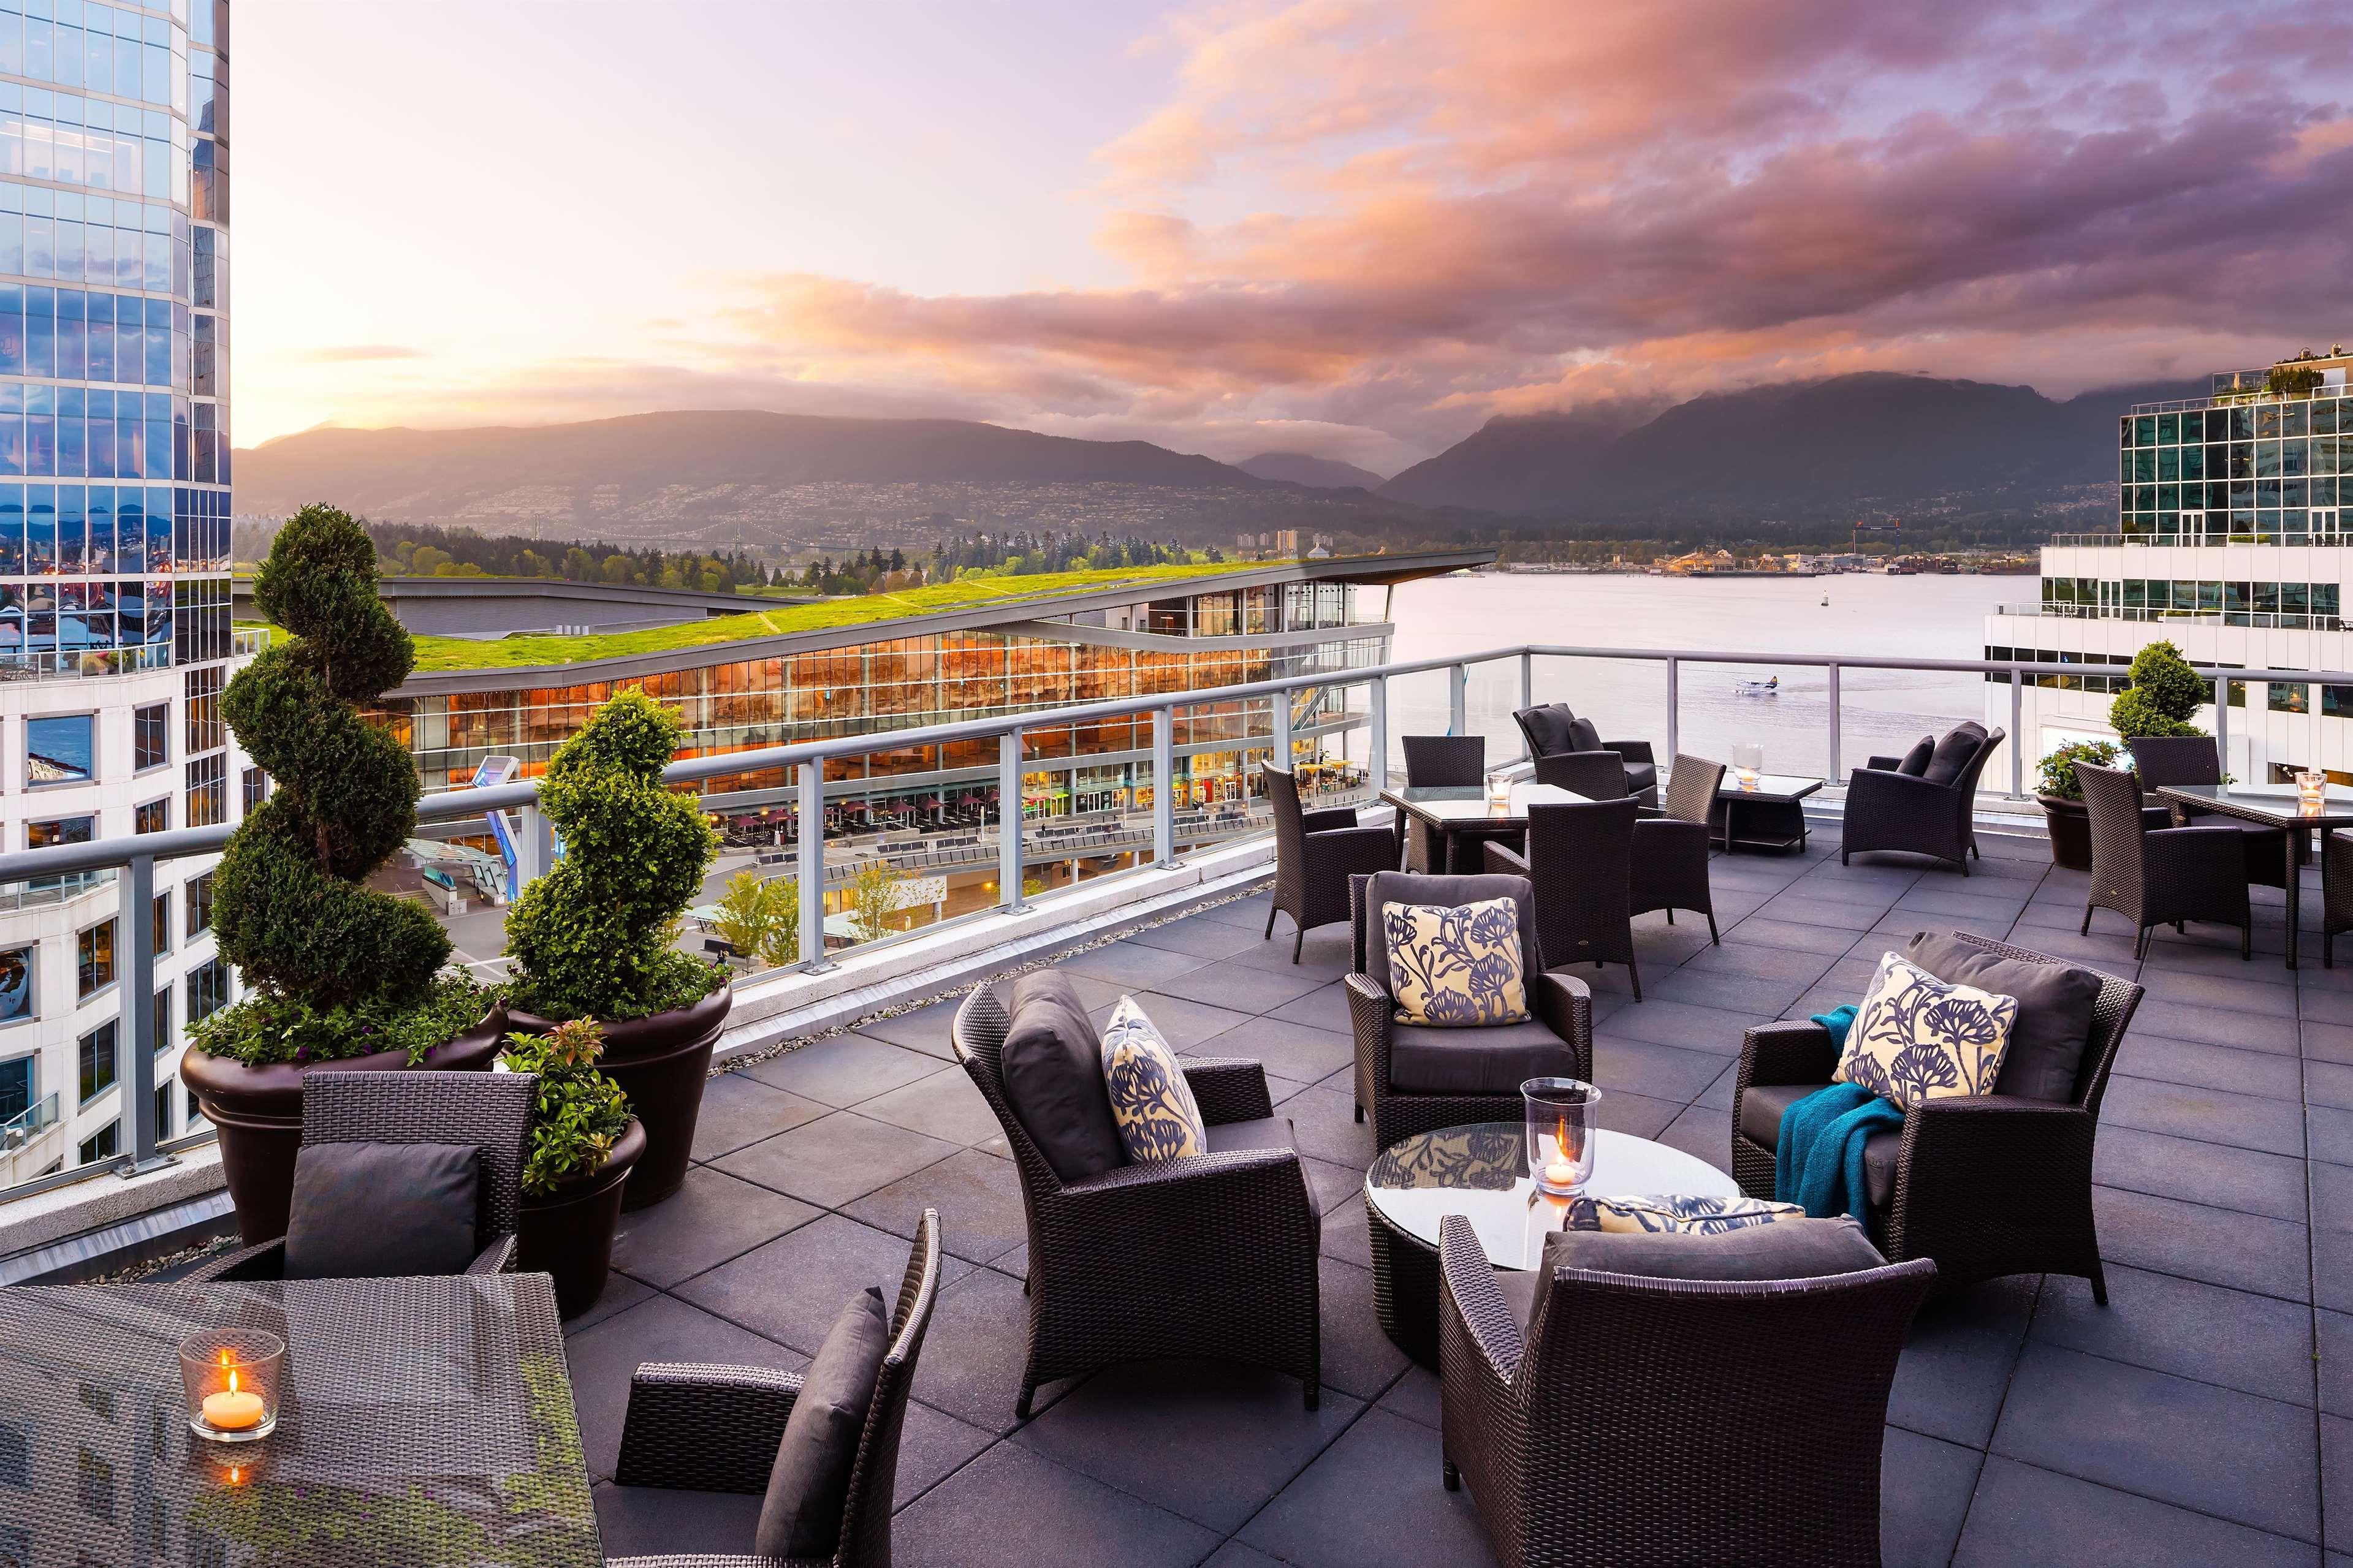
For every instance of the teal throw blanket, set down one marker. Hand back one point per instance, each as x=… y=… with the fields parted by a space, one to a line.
x=1838 y=1021
x=1818 y=1161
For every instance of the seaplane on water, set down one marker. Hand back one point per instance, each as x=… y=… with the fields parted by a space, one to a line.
x=1759 y=688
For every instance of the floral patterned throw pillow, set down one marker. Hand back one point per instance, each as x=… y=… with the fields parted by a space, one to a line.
x=1919 y=1038
x=1456 y=968
x=1675 y=1212
x=1157 y=1116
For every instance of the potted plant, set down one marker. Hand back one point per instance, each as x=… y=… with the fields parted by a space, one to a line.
x=2062 y=794
x=594 y=937
x=583 y=1144
x=342 y=976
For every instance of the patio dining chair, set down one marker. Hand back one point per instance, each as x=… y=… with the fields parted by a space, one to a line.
x=1580 y=861
x=1445 y=761
x=697 y=1427
x=1316 y=853
x=1671 y=847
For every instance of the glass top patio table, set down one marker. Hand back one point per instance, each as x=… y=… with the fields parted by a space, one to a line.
x=2275 y=805
x=420 y=1421
x=1465 y=805
x=1480 y=1173
x=1769 y=786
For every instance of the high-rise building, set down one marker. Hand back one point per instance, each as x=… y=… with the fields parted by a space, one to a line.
x=115 y=635
x=2229 y=542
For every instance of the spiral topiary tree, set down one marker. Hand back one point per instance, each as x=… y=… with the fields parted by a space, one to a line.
x=592 y=939
x=2162 y=693
x=291 y=908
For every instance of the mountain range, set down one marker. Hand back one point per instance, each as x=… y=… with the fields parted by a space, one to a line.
x=1809 y=448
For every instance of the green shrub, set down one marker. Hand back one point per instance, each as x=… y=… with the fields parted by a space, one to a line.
x=876 y=893
x=291 y=908
x=592 y=939
x=2057 y=771
x=579 y=1114
x=265 y=1028
x=2161 y=695
x=761 y=917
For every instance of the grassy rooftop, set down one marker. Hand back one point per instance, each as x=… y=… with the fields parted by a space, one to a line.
x=517 y=652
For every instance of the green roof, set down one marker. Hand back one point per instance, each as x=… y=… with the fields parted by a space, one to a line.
x=435 y=653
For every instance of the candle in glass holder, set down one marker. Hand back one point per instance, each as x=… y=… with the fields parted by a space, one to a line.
x=1748 y=762
x=231 y=1377
x=2311 y=788
x=1499 y=791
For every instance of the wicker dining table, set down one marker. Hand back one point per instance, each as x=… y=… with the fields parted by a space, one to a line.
x=421 y=1421
x=2274 y=805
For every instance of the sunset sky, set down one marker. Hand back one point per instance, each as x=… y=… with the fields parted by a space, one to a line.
x=1355 y=229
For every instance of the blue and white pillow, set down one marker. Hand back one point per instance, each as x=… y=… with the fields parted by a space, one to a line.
x=1689 y=1213
x=1157 y=1116
x=1918 y=1037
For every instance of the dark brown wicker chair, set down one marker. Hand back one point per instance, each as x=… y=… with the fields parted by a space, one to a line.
x=1985 y=1184
x=697 y=1427
x=1670 y=849
x=1595 y=775
x=1917 y=815
x=1668 y=1422
x=2161 y=760
x=2336 y=893
x=2166 y=877
x=1557 y=1040
x=1444 y=761
x=490 y=1110
x=1316 y=853
x=1552 y=731
x=1210 y=1255
x=1580 y=859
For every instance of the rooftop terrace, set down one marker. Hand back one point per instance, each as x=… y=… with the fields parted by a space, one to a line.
x=2201 y=1418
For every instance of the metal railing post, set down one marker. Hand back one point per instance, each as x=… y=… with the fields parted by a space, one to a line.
x=2017 y=734
x=1280 y=713
x=1458 y=699
x=1833 y=776
x=2223 y=719
x=1009 y=823
x=534 y=849
x=812 y=868
x=1164 y=787
x=1377 y=765
x=1527 y=697
x=1675 y=715
x=135 y=1026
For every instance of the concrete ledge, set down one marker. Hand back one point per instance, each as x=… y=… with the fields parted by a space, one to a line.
x=46 y=1219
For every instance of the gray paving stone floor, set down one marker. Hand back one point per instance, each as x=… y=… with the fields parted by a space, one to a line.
x=2204 y=1416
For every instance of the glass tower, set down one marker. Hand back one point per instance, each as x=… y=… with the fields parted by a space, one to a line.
x=114 y=435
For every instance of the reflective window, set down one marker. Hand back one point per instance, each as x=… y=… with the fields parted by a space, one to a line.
x=96 y=1061
x=58 y=750
x=94 y=959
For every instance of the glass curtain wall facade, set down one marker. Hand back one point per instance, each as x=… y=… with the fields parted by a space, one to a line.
x=2255 y=470
x=114 y=435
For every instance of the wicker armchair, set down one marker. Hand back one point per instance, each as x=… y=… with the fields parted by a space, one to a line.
x=715 y=1428
x=1639 y=1421
x=1557 y=1040
x=1444 y=761
x=1985 y=1184
x=1580 y=860
x=2336 y=892
x=1917 y=815
x=1552 y=731
x=1670 y=849
x=490 y=1110
x=1316 y=853
x=2166 y=877
x=2161 y=760
x=1210 y=1254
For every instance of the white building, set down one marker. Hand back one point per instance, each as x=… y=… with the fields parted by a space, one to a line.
x=2230 y=544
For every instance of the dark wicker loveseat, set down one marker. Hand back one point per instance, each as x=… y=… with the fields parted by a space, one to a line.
x=715 y=1428
x=1932 y=813
x=1985 y=1184
x=1208 y=1254
x=1420 y=1080
x=490 y=1110
x=1638 y=1421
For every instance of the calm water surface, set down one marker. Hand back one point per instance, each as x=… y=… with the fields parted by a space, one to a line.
x=1881 y=710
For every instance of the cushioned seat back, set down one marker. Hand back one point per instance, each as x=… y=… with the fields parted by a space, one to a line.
x=2055 y=1004
x=1583 y=736
x=1953 y=753
x=1052 y=1069
x=1372 y=948
x=490 y=1110
x=1545 y=727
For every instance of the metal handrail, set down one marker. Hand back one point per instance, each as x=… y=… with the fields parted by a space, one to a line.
x=137 y=857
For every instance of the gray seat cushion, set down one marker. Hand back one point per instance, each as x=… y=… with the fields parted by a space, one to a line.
x=1784 y=1250
x=1493 y=1060
x=1641 y=776
x=1052 y=1067
x=808 y=1486
x=1265 y=1133
x=1583 y=736
x=1760 y=1123
x=1916 y=761
x=2055 y=1001
x=1548 y=728
x=371 y=1211
x=1953 y=753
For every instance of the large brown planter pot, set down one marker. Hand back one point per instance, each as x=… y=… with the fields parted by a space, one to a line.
x=661 y=1063
x=2071 y=832
x=568 y=1232
x=258 y=1113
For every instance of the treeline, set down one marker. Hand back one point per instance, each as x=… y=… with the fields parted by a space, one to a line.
x=1023 y=553
x=422 y=550
x=871 y=573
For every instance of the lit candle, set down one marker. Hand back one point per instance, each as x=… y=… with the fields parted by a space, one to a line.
x=1559 y=1171
x=233 y=1409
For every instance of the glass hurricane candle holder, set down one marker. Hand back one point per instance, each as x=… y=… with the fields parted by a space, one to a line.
x=231 y=1376
x=2311 y=788
x=1748 y=762
x=1499 y=791
x=1561 y=1114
